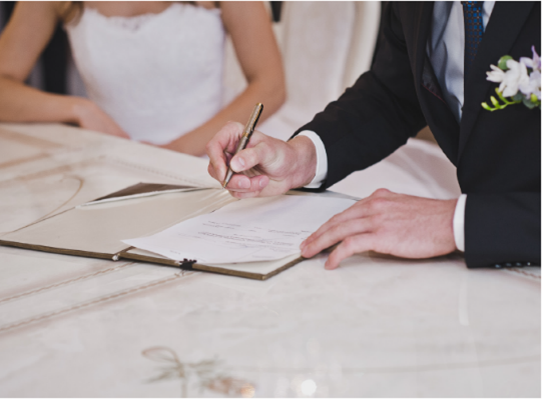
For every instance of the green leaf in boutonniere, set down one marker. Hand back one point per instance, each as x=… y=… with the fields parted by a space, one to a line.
x=528 y=103
x=502 y=62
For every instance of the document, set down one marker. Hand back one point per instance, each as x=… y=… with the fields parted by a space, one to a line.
x=249 y=230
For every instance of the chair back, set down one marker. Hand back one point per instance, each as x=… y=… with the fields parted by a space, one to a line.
x=325 y=46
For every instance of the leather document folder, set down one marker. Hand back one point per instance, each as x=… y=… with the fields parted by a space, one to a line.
x=96 y=229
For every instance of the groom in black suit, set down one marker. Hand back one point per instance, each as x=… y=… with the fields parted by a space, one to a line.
x=425 y=72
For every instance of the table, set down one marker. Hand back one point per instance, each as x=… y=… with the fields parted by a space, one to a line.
x=377 y=326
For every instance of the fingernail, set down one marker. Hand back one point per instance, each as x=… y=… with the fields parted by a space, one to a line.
x=239 y=163
x=244 y=183
x=262 y=183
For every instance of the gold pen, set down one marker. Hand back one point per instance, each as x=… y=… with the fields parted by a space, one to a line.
x=249 y=129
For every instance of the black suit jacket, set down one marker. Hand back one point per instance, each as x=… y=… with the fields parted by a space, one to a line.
x=497 y=154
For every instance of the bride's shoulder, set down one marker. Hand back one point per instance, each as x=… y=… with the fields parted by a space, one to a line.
x=46 y=8
x=37 y=14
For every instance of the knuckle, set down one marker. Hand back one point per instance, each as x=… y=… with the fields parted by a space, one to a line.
x=334 y=219
x=233 y=129
x=381 y=192
x=234 y=125
x=349 y=244
x=336 y=230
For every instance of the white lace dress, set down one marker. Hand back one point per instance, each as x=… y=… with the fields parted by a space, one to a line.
x=157 y=75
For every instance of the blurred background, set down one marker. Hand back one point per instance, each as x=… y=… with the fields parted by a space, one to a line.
x=332 y=39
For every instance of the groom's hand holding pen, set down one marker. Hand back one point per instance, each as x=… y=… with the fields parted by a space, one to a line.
x=261 y=166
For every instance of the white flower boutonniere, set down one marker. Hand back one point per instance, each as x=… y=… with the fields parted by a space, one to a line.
x=519 y=82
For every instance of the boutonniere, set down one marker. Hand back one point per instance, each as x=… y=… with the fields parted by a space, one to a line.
x=519 y=82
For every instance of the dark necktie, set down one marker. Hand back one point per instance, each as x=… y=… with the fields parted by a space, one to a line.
x=474 y=29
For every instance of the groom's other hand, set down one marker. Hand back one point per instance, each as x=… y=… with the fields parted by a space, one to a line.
x=267 y=166
x=389 y=223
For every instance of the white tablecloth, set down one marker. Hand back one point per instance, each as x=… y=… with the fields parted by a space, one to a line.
x=377 y=326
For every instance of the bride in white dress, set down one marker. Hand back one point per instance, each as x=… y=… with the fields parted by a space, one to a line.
x=152 y=70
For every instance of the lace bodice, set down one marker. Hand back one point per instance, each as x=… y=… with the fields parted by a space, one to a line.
x=157 y=75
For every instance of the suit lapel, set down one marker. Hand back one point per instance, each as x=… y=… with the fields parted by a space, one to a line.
x=505 y=24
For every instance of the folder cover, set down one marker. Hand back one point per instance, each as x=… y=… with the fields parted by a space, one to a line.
x=96 y=230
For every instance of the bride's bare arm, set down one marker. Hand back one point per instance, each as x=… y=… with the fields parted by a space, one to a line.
x=21 y=43
x=249 y=25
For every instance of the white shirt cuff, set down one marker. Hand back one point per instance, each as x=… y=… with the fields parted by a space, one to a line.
x=459 y=222
x=321 y=159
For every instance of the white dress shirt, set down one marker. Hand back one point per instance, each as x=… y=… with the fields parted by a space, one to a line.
x=446 y=50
